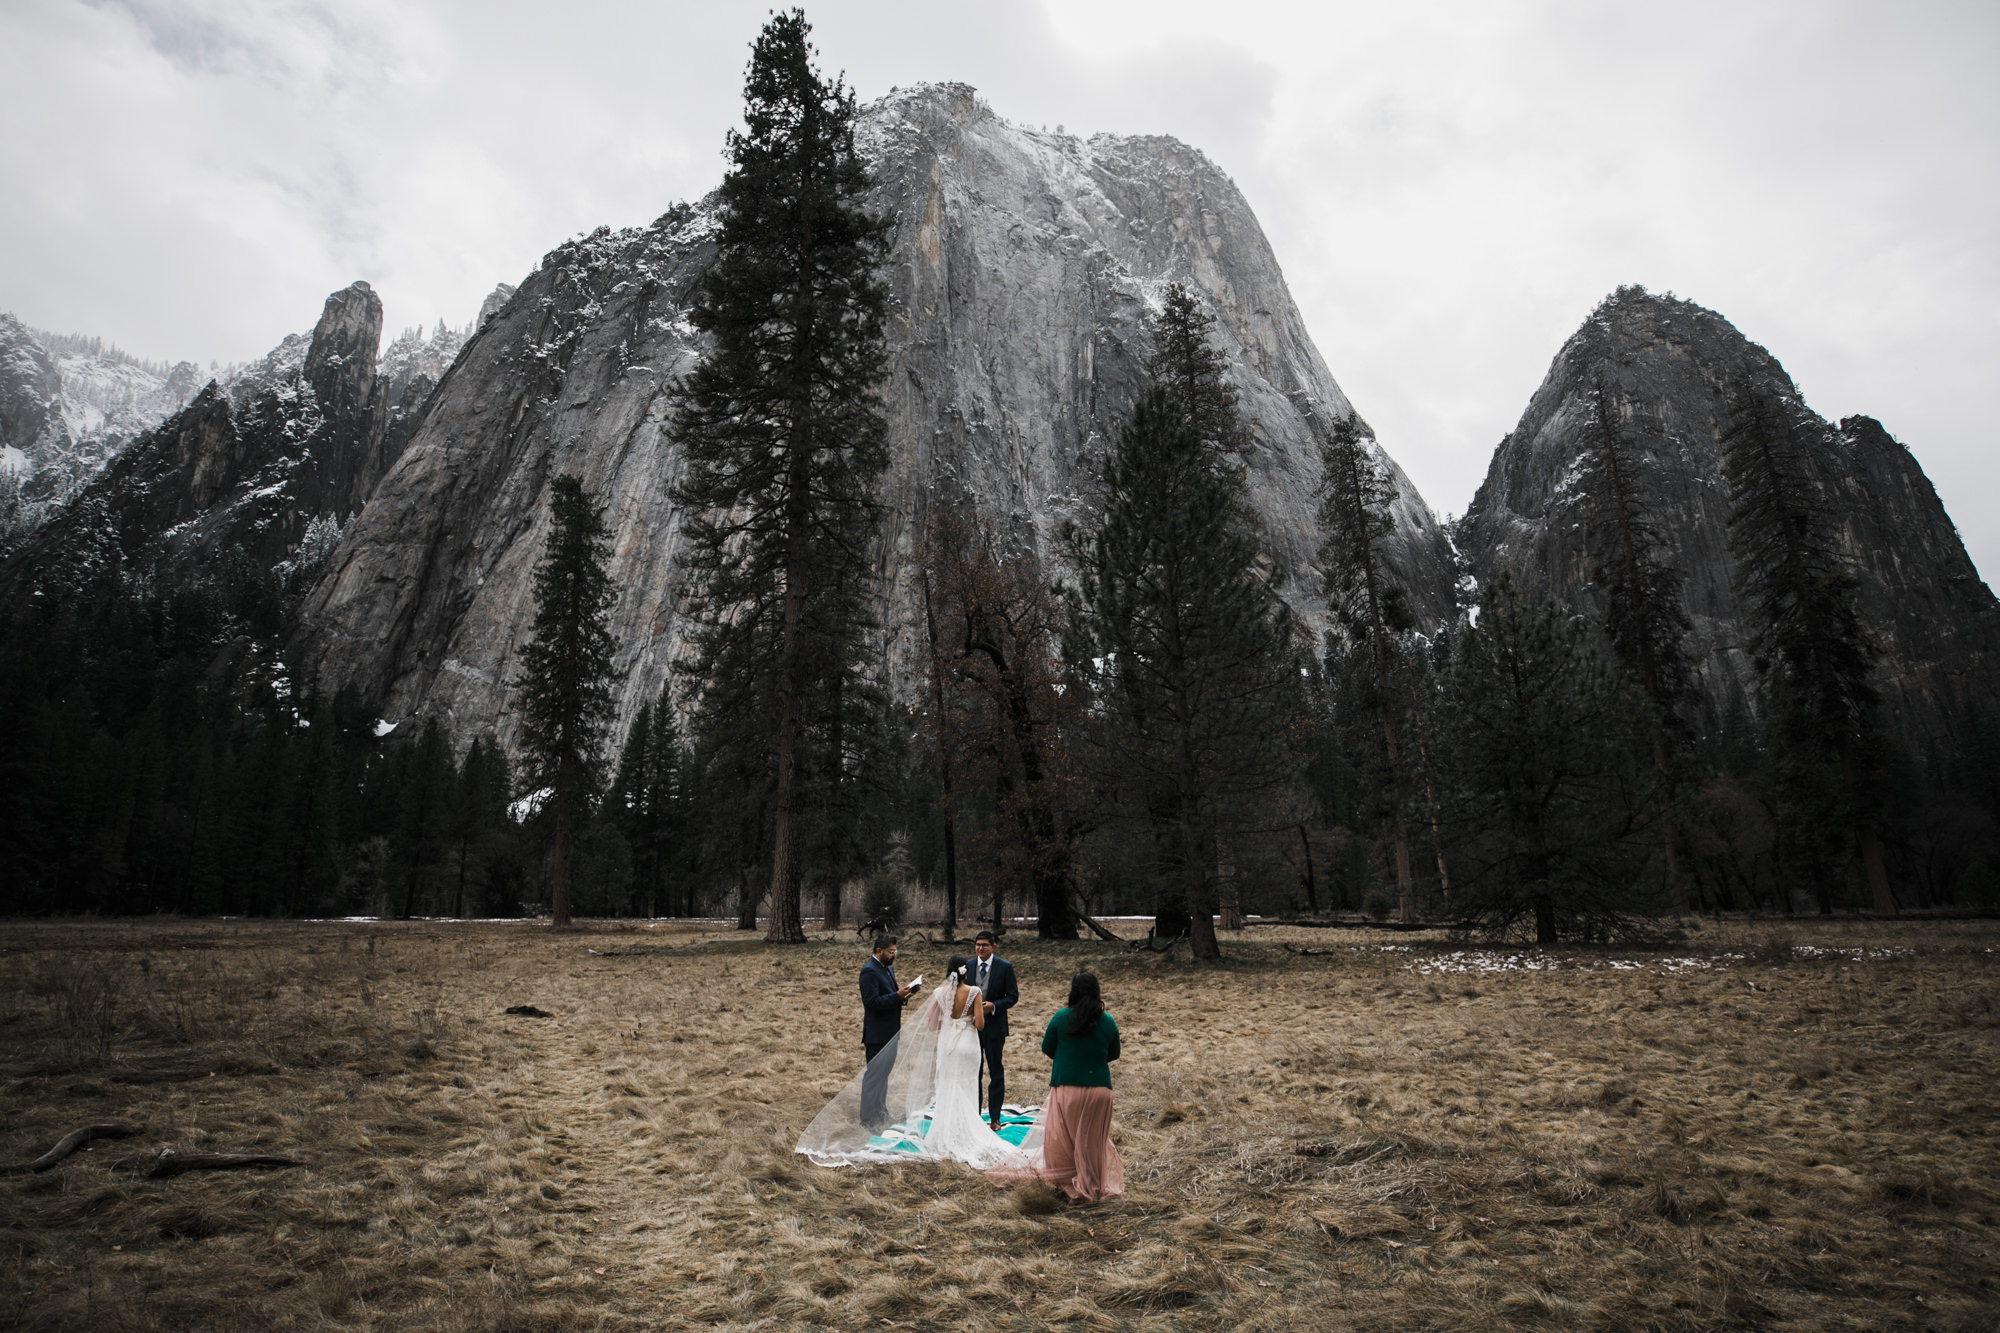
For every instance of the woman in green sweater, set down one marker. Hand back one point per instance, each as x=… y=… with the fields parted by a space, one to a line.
x=1078 y=1156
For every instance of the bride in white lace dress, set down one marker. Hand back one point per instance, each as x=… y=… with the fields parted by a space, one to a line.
x=930 y=1077
x=957 y=1129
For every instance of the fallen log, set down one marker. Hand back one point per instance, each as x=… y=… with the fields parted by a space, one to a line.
x=69 y=1143
x=529 y=1011
x=1095 y=928
x=172 y=1163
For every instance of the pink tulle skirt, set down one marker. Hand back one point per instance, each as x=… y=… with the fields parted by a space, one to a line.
x=1077 y=1155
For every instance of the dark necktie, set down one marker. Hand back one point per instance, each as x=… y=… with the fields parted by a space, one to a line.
x=982 y=978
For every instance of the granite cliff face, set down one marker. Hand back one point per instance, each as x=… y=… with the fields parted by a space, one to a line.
x=1023 y=269
x=295 y=440
x=1669 y=364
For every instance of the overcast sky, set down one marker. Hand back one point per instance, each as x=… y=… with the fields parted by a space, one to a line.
x=1450 y=187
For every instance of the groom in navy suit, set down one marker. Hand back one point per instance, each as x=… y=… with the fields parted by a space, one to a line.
x=995 y=979
x=882 y=1018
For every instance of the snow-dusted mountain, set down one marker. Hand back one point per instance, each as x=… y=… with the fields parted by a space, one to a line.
x=1023 y=272
x=69 y=404
x=263 y=465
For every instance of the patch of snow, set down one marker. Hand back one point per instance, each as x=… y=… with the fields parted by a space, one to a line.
x=1490 y=961
x=383 y=728
x=1817 y=951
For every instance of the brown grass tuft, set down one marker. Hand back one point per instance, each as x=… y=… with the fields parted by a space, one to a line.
x=1036 y=1199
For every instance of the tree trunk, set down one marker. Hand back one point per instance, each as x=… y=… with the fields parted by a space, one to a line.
x=1878 y=876
x=1170 y=908
x=784 y=911
x=1676 y=881
x=298 y=887
x=1232 y=891
x=1406 y=898
x=1406 y=905
x=1200 y=890
x=944 y=750
x=1048 y=852
x=1055 y=918
x=1312 y=888
x=832 y=920
x=1545 y=919
x=1201 y=931
x=1870 y=839
x=559 y=870
x=950 y=871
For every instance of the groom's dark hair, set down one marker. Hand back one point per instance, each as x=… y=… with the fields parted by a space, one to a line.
x=883 y=941
x=986 y=935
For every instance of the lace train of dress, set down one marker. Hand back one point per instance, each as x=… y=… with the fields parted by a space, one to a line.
x=929 y=1081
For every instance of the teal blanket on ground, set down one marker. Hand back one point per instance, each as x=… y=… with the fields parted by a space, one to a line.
x=906 y=1136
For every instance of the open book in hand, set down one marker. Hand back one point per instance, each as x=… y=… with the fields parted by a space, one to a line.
x=917 y=985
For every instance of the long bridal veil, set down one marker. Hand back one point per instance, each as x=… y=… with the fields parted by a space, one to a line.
x=906 y=1071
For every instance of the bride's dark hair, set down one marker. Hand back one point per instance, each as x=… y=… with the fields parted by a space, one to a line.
x=1086 y=1003
x=954 y=967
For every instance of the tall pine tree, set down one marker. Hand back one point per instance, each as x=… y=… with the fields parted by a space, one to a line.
x=1184 y=650
x=1193 y=377
x=567 y=676
x=995 y=681
x=476 y=820
x=1536 y=743
x=780 y=425
x=1357 y=516
x=1808 y=641
x=1186 y=366
x=646 y=799
x=1645 y=613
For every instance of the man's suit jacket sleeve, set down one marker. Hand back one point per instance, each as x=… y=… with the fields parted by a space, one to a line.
x=876 y=996
x=1009 y=993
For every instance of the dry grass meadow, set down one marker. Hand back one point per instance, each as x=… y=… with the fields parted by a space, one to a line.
x=1772 y=1126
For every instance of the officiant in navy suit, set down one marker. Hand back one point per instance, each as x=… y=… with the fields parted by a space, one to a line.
x=882 y=1002
x=995 y=979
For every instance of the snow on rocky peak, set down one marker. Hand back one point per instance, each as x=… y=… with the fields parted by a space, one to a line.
x=68 y=405
x=411 y=353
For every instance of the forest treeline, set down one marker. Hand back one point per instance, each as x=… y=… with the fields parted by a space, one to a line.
x=1141 y=725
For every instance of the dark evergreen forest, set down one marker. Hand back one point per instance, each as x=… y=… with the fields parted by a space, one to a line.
x=160 y=757
x=1149 y=728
